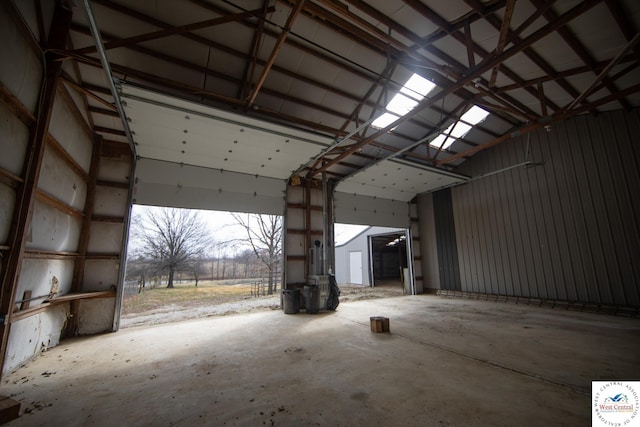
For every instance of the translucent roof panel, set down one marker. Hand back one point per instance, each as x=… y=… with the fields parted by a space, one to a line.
x=401 y=104
x=417 y=87
x=475 y=115
x=460 y=128
x=384 y=120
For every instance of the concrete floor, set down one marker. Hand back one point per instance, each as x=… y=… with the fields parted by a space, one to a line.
x=445 y=362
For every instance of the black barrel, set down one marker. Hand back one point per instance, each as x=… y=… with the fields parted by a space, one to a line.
x=291 y=301
x=312 y=298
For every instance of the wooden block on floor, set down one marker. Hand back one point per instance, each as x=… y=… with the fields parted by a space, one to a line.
x=379 y=324
x=9 y=409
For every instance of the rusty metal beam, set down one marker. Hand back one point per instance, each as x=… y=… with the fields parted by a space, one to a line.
x=83 y=244
x=543 y=105
x=542 y=123
x=504 y=32
x=481 y=68
x=469 y=42
x=573 y=42
x=171 y=31
x=252 y=59
x=603 y=74
x=276 y=49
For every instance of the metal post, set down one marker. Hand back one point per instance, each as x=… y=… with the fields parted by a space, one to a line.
x=324 y=223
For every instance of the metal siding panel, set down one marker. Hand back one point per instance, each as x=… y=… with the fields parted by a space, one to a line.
x=629 y=188
x=426 y=224
x=512 y=284
x=531 y=212
x=568 y=229
x=519 y=242
x=462 y=235
x=613 y=232
x=488 y=280
x=550 y=202
x=446 y=240
x=573 y=262
x=585 y=215
x=496 y=222
x=596 y=211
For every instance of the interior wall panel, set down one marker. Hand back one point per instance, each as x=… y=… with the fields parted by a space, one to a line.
x=60 y=181
x=566 y=228
x=14 y=136
x=40 y=276
x=53 y=230
x=22 y=74
x=69 y=131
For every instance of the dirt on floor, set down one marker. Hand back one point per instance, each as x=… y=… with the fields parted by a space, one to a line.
x=161 y=305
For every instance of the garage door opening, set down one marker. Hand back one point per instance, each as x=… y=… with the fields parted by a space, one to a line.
x=186 y=263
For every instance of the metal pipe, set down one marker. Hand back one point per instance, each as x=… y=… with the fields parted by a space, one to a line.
x=324 y=223
x=93 y=26
x=475 y=178
x=123 y=248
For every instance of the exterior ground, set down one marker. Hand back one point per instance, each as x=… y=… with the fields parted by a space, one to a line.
x=185 y=301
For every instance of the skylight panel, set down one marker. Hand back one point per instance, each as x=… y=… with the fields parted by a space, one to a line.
x=475 y=115
x=401 y=104
x=384 y=120
x=410 y=95
x=417 y=87
x=438 y=140
x=460 y=130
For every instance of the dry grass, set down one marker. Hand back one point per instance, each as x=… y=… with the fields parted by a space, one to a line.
x=186 y=294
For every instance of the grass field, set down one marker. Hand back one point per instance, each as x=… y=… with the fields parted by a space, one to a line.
x=186 y=294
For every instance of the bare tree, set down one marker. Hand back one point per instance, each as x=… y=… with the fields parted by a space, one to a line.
x=171 y=238
x=264 y=234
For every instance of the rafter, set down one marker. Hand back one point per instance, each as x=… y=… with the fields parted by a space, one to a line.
x=276 y=49
x=504 y=32
x=573 y=42
x=542 y=123
x=172 y=31
x=481 y=68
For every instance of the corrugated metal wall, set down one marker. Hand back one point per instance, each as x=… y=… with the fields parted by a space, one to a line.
x=446 y=240
x=568 y=229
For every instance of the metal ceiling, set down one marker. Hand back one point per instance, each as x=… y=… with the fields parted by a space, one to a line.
x=322 y=69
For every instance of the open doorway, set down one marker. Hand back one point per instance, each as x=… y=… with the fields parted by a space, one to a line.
x=374 y=256
x=389 y=266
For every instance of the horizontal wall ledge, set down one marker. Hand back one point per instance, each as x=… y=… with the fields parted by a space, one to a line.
x=617 y=310
x=44 y=254
x=23 y=314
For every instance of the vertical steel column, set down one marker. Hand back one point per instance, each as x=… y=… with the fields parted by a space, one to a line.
x=324 y=223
